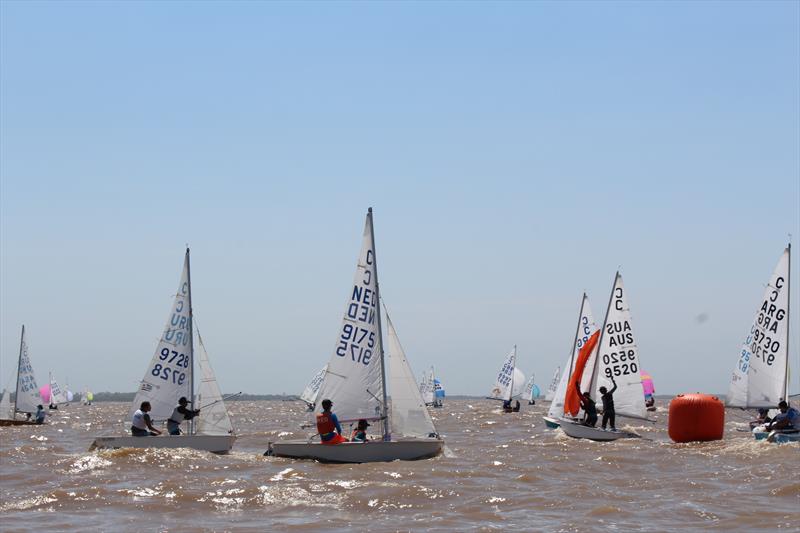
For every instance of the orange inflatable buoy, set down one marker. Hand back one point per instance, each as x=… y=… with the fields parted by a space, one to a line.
x=696 y=417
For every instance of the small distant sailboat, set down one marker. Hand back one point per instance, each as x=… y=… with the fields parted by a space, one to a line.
x=583 y=332
x=169 y=376
x=6 y=411
x=356 y=383
x=311 y=391
x=553 y=387
x=510 y=380
x=649 y=391
x=431 y=389
x=761 y=376
x=26 y=399
x=531 y=390
x=617 y=356
x=88 y=396
x=55 y=395
x=438 y=392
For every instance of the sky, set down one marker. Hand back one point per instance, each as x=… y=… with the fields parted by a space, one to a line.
x=515 y=155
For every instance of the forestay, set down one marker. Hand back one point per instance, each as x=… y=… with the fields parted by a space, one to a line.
x=586 y=328
x=502 y=389
x=618 y=356
x=409 y=416
x=213 y=418
x=760 y=376
x=354 y=379
x=312 y=389
x=27 y=397
x=169 y=374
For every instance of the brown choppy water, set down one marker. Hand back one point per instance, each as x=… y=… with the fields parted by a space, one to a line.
x=502 y=471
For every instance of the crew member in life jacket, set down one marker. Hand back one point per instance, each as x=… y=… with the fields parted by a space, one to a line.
x=330 y=432
x=141 y=425
x=360 y=433
x=179 y=414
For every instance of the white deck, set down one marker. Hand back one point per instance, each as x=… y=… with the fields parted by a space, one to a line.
x=208 y=443
x=358 y=452
x=577 y=430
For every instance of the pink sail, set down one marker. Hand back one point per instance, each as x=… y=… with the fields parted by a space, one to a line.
x=647 y=384
x=44 y=392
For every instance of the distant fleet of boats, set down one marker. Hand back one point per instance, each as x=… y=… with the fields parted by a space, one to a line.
x=372 y=382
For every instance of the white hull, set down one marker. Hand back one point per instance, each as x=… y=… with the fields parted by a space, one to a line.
x=207 y=443
x=358 y=452
x=579 y=431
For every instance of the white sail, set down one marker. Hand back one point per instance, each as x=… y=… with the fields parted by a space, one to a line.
x=5 y=406
x=57 y=394
x=312 y=389
x=760 y=376
x=354 y=382
x=553 y=387
x=586 y=328
x=527 y=391
x=169 y=374
x=618 y=356
x=427 y=388
x=502 y=389
x=409 y=416
x=27 y=397
x=517 y=382
x=213 y=418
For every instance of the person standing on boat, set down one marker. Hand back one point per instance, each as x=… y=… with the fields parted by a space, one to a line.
x=360 y=433
x=608 y=405
x=330 y=432
x=179 y=414
x=40 y=414
x=787 y=419
x=141 y=425
x=588 y=405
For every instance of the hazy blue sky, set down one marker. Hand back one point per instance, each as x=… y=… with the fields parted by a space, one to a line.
x=515 y=154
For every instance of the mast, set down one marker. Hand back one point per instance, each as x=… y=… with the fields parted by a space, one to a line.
x=575 y=339
x=788 y=322
x=513 y=371
x=19 y=362
x=593 y=381
x=192 y=427
x=384 y=414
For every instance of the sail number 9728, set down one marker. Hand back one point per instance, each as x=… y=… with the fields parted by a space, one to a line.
x=167 y=373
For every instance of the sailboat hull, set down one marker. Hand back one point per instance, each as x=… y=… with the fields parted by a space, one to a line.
x=551 y=422
x=5 y=422
x=579 y=431
x=221 y=444
x=358 y=452
x=777 y=436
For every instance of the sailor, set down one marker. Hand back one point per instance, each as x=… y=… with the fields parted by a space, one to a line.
x=588 y=406
x=40 y=414
x=761 y=419
x=608 y=405
x=516 y=407
x=141 y=425
x=360 y=433
x=179 y=414
x=330 y=432
x=787 y=419
x=507 y=406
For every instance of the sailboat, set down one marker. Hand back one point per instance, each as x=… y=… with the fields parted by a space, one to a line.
x=649 y=391
x=26 y=399
x=171 y=375
x=583 y=332
x=426 y=388
x=617 y=356
x=438 y=391
x=356 y=383
x=311 y=391
x=510 y=380
x=57 y=396
x=761 y=376
x=88 y=396
x=553 y=387
x=6 y=411
x=531 y=391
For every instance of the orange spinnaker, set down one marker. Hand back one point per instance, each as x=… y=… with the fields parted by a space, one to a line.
x=571 y=402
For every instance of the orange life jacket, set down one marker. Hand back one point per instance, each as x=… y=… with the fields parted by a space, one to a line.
x=325 y=425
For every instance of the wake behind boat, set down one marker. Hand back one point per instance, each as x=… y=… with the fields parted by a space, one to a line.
x=171 y=376
x=356 y=383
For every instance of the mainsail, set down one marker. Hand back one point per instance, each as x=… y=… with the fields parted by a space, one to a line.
x=409 y=416
x=761 y=373
x=57 y=394
x=510 y=380
x=355 y=378
x=552 y=389
x=169 y=374
x=618 y=357
x=427 y=387
x=585 y=329
x=213 y=418
x=5 y=405
x=312 y=389
x=27 y=397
